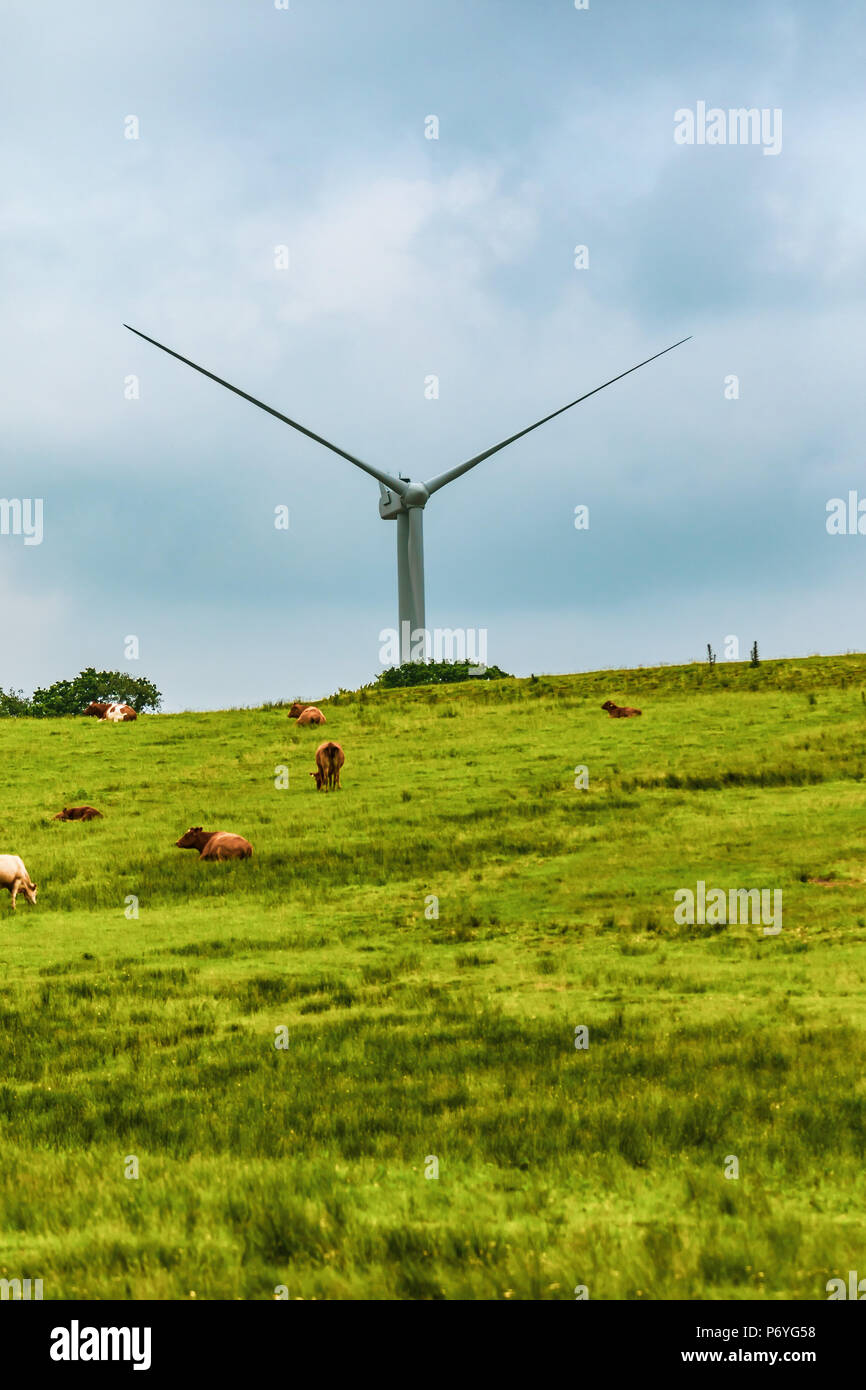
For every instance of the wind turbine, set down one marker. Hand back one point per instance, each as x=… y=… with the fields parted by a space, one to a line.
x=402 y=499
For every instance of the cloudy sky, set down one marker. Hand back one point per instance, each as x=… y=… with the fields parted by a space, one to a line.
x=411 y=257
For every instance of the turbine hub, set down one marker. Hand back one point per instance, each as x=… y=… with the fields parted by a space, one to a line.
x=416 y=495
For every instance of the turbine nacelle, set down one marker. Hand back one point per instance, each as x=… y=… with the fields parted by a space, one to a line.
x=392 y=505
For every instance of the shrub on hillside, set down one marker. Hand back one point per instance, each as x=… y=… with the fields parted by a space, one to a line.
x=434 y=673
x=13 y=702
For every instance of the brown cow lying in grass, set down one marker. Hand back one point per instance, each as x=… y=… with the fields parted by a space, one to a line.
x=15 y=877
x=111 y=710
x=215 y=844
x=329 y=759
x=619 y=711
x=120 y=714
x=298 y=708
x=77 y=813
x=311 y=715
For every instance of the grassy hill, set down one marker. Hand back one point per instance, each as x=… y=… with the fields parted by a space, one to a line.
x=413 y=1037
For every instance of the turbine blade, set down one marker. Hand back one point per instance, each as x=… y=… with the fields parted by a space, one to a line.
x=383 y=477
x=461 y=468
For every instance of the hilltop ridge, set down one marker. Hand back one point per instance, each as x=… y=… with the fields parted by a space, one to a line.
x=806 y=673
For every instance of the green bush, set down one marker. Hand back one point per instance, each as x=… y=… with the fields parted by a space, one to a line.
x=13 y=702
x=434 y=673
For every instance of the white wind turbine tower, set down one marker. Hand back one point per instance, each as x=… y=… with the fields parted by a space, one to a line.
x=402 y=499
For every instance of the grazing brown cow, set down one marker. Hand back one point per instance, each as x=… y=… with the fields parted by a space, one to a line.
x=619 y=711
x=298 y=708
x=311 y=715
x=215 y=844
x=15 y=877
x=97 y=709
x=77 y=813
x=329 y=759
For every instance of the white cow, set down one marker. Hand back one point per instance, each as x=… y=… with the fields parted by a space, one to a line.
x=15 y=877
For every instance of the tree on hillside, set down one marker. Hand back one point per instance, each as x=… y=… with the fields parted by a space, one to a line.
x=73 y=697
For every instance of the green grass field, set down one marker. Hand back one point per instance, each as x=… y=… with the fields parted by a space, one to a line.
x=412 y=1037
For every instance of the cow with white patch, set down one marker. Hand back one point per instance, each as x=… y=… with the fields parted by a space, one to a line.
x=112 y=710
x=15 y=877
x=119 y=714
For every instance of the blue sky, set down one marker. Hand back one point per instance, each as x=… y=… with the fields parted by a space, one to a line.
x=409 y=257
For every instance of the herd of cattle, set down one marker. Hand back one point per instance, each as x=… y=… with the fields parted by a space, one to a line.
x=211 y=844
